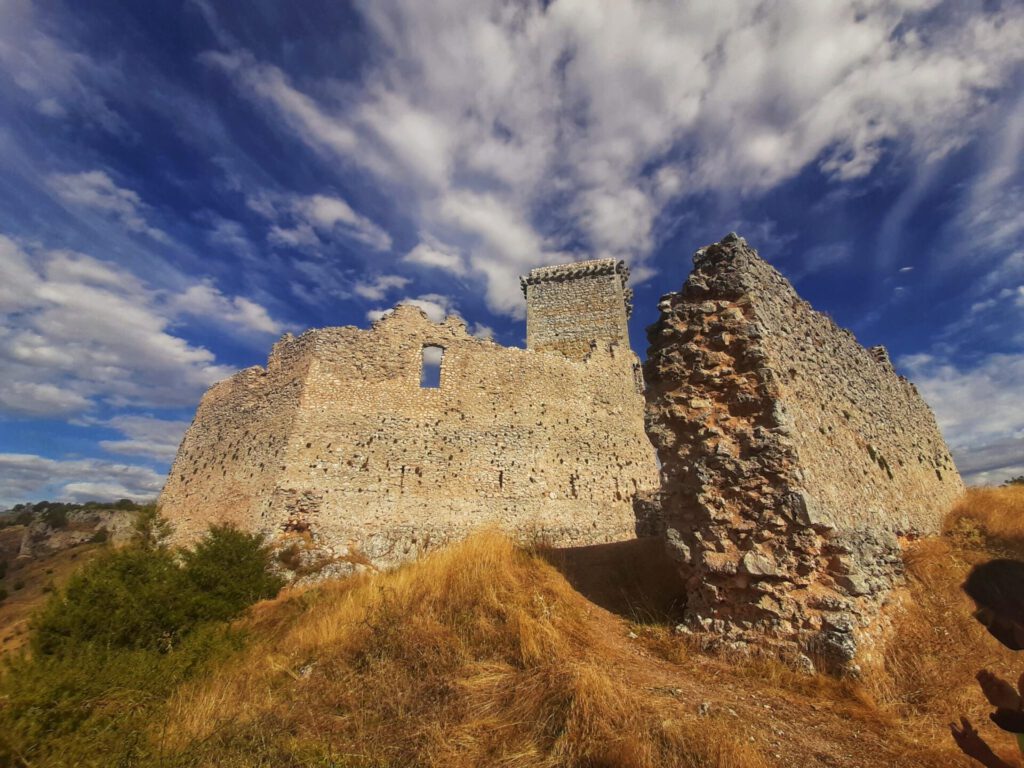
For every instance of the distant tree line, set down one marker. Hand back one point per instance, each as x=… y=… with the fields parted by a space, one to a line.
x=55 y=513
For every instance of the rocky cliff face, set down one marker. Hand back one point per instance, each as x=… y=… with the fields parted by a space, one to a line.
x=793 y=462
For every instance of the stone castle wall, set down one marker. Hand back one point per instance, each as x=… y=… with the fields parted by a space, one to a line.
x=338 y=437
x=794 y=460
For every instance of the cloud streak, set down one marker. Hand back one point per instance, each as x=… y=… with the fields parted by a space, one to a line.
x=979 y=409
x=76 y=331
x=95 y=190
x=523 y=134
x=30 y=477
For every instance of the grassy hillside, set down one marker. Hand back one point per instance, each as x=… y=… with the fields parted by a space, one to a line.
x=485 y=654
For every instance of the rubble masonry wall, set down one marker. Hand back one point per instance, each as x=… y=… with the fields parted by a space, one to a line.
x=338 y=436
x=794 y=461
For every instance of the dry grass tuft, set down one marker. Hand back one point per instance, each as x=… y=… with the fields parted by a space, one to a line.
x=480 y=654
x=996 y=514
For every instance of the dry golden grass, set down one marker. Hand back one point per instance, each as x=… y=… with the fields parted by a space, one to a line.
x=484 y=655
x=480 y=654
x=997 y=513
x=927 y=678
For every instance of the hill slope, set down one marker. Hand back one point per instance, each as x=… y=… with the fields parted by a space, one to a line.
x=485 y=654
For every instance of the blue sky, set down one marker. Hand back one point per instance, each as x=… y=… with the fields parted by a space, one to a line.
x=183 y=182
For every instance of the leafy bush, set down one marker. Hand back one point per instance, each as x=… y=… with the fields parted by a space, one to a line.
x=3 y=594
x=109 y=648
x=229 y=570
x=130 y=598
x=55 y=516
x=141 y=597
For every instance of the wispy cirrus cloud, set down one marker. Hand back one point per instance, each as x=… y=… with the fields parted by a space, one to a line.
x=523 y=133
x=95 y=190
x=307 y=222
x=76 y=331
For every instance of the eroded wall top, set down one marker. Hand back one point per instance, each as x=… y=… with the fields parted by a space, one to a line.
x=338 y=437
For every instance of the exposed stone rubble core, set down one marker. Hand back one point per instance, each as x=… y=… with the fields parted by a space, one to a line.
x=793 y=461
x=336 y=437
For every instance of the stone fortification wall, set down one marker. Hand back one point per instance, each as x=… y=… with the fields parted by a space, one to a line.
x=571 y=305
x=338 y=437
x=238 y=445
x=794 y=460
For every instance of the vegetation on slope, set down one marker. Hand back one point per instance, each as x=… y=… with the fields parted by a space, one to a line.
x=483 y=654
x=108 y=649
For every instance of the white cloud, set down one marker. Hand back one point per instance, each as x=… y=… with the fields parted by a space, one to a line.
x=482 y=331
x=205 y=301
x=27 y=477
x=326 y=214
x=508 y=130
x=145 y=436
x=307 y=222
x=979 y=409
x=378 y=288
x=435 y=255
x=75 y=330
x=97 y=191
x=60 y=81
x=434 y=305
x=225 y=233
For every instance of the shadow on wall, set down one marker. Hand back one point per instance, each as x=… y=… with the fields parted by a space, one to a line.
x=635 y=579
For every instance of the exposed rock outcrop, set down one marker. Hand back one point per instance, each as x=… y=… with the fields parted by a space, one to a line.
x=793 y=461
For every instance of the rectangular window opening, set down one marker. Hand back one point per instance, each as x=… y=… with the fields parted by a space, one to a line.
x=430 y=373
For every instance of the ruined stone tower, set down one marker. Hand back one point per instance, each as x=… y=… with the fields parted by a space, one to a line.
x=339 y=437
x=571 y=307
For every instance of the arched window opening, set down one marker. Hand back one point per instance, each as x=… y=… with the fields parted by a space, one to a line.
x=430 y=373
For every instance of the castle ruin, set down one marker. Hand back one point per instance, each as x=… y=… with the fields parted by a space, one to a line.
x=338 y=436
x=794 y=462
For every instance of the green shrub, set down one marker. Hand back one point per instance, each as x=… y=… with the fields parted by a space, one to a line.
x=100 y=536
x=3 y=594
x=230 y=570
x=19 y=584
x=98 y=707
x=55 y=516
x=109 y=648
x=129 y=598
x=142 y=597
x=150 y=529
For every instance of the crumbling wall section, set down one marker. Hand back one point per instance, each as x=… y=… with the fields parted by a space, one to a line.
x=794 y=461
x=375 y=466
x=237 y=446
